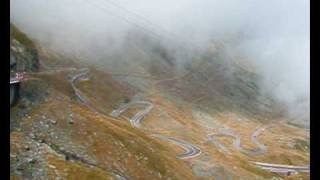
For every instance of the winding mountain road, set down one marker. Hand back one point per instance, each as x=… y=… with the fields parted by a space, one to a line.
x=135 y=120
x=82 y=75
x=237 y=141
x=190 y=149
x=280 y=168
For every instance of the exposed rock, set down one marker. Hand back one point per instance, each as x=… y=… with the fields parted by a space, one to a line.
x=52 y=121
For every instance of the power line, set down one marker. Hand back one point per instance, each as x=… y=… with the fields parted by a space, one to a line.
x=131 y=22
x=126 y=19
x=130 y=12
x=138 y=16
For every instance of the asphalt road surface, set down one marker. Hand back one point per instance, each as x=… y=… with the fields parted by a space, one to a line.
x=190 y=149
x=135 y=120
x=283 y=169
x=81 y=75
x=237 y=141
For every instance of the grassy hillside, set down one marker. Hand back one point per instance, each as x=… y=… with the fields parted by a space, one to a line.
x=56 y=136
x=21 y=37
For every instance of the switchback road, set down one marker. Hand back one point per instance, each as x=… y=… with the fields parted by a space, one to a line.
x=190 y=149
x=237 y=141
x=135 y=120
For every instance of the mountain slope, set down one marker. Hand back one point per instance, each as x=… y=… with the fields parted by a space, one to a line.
x=65 y=128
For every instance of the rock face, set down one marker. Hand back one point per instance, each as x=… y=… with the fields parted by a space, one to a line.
x=23 y=58
x=23 y=54
x=14 y=93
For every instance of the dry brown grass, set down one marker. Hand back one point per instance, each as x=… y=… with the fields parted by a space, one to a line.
x=117 y=145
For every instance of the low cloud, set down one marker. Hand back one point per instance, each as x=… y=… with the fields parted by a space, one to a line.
x=273 y=35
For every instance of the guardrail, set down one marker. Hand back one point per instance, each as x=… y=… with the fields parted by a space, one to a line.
x=19 y=76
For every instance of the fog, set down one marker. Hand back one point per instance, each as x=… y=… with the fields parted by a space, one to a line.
x=273 y=35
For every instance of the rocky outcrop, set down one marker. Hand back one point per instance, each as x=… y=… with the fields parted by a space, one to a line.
x=23 y=58
x=23 y=54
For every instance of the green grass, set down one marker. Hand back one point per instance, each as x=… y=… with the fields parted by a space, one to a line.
x=302 y=145
x=21 y=37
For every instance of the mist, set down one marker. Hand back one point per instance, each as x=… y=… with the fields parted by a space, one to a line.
x=272 y=35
